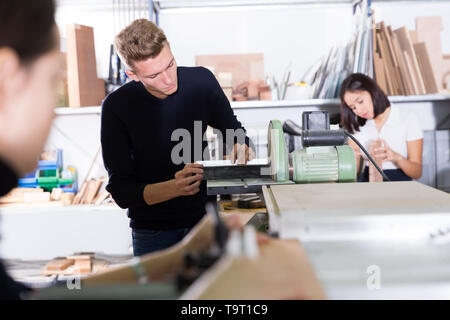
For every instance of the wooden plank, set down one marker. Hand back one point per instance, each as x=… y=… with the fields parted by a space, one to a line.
x=67 y=198
x=391 y=60
x=36 y=197
x=56 y=194
x=379 y=73
x=102 y=196
x=428 y=30
x=426 y=68
x=59 y=264
x=91 y=191
x=398 y=62
x=403 y=69
x=385 y=63
x=80 y=193
x=406 y=45
x=85 y=89
x=83 y=265
x=409 y=68
x=244 y=67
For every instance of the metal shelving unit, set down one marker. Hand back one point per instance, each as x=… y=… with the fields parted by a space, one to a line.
x=279 y=103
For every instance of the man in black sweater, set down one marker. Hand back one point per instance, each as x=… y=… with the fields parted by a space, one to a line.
x=141 y=129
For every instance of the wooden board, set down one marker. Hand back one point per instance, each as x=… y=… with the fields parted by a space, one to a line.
x=85 y=89
x=410 y=70
x=406 y=45
x=426 y=68
x=58 y=264
x=244 y=67
x=385 y=63
x=403 y=69
x=428 y=30
x=379 y=72
x=359 y=197
x=280 y=271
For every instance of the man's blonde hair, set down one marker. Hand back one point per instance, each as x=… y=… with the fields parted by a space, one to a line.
x=141 y=40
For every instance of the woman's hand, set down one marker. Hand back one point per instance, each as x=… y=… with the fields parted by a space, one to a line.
x=384 y=152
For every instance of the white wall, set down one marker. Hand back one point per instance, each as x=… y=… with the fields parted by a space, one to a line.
x=297 y=34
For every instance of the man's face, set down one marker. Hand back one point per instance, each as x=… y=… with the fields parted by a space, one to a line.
x=158 y=74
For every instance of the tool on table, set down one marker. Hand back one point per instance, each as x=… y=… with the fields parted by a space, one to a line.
x=325 y=157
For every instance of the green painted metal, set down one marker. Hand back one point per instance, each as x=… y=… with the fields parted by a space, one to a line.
x=324 y=164
x=278 y=154
x=347 y=163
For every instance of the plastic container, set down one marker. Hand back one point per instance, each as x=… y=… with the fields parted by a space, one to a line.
x=29 y=181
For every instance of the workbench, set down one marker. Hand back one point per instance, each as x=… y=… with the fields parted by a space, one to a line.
x=369 y=240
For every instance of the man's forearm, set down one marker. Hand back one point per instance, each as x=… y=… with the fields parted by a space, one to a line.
x=160 y=192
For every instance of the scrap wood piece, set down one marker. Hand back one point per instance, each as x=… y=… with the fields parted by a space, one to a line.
x=59 y=264
x=67 y=198
x=83 y=265
x=102 y=196
x=80 y=194
x=79 y=257
x=56 y=194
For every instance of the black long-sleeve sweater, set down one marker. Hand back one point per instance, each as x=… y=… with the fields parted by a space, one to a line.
x=136 y=137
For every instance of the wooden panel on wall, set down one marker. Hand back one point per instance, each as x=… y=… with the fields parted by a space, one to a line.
x=244 y=67
x=85 y=89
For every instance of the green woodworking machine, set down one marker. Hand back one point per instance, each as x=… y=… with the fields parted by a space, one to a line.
x=324 y=157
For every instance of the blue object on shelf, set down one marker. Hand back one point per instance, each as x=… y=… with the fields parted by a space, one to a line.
x=29 y=180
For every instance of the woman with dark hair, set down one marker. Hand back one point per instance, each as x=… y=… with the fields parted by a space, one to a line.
x=29 y=69
x=392 y=133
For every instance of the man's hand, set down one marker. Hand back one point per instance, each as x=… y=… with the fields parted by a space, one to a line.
x=242 y=153
x=187 y=181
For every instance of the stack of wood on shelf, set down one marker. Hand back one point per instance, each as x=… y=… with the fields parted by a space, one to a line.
x=410 y=62
x=36 y=197
x=74 y=265
x=241 y=76
x=92 y=192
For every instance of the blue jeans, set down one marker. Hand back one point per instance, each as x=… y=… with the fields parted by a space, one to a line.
x=147 y=241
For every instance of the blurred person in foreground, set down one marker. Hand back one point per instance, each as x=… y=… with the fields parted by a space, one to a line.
x=30 y=68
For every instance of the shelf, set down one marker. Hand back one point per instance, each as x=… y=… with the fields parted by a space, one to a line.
x=82 y=110
x=278 y=103
x=283 y=103
x=176 y=4
x=172 y=4
x=420 y=98
x=73 y=209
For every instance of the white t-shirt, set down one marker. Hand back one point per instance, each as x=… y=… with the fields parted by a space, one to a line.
x=401 y=126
